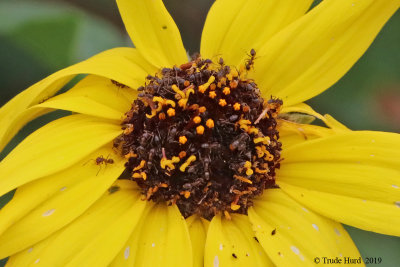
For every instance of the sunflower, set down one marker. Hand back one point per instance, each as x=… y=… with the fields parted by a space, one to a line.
x=170 y=161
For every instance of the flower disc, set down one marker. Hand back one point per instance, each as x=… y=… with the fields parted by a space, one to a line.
x=200 y=136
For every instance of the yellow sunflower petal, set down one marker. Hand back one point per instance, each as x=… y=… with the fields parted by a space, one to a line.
x=54 y=147
x=291 y=235
x=61 y=208
x=121 y=64
x=351 y=177
x=153 y=31
x=104 y=225
x=95 y=96
x=31 y=195
x=318 y=49
x=233 y=28
x=198 y=232
x=161 y=238
x=30 y=255
x=364 y=214
x=291 y=133
x=232 y=243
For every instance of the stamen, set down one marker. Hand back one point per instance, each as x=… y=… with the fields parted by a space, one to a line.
x=222 y=102
x=182 y=139
x=200 y=129
x=210 y=123
x=171 y=112
x=187 y=163
x=197 y=119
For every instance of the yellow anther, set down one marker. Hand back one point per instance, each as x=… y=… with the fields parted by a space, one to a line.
x=204 y=87
x=226 y=91
x=141 y=165
x=219 y=84
x=253 y=130
x=210 y=123
x=249 y=172
x=182 y=139
x=229 y=76
x=182 y=102
x=245 y=122
x=261 y=171
x=158 y=99
x=200 y=129
x=213 y=86
x=260 y=152
x=188 y=92
x=265 y=140
x=141 y=175
x=197 y=119
x=212 y=94
x=236 y=106
x=129 y=128
x=131 y=154
x=187 y=194
x=234 y=206
x=222 y=102
x=171 y=112
x=163 y=102
x=227 y=216
x=136 y=175
x=183 y=167
x=247 y=164
x=269 y=156
x=243 y=179
x=178 y=91
x=164 y=162
x=202 y=109
x=153 y=113
x=170 y=102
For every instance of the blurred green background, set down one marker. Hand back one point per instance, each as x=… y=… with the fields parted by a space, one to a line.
x=40 y=37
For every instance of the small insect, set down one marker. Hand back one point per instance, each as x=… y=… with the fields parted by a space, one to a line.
x=187 y=65
x=273 y=232
x=234 y=255
x=101 y=160
x=118 y=84
x=250 y=62
x=273 y=106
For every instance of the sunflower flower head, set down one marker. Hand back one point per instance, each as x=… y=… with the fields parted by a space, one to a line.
x=170 y=161
x=201 y=136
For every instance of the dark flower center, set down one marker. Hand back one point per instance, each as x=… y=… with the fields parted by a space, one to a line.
x=200 y=136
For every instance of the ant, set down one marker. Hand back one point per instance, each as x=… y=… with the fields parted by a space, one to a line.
x=250 y=62
x=101 y=160
x=118 y=84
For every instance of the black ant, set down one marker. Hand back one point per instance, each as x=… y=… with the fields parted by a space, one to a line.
x=250 y=62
